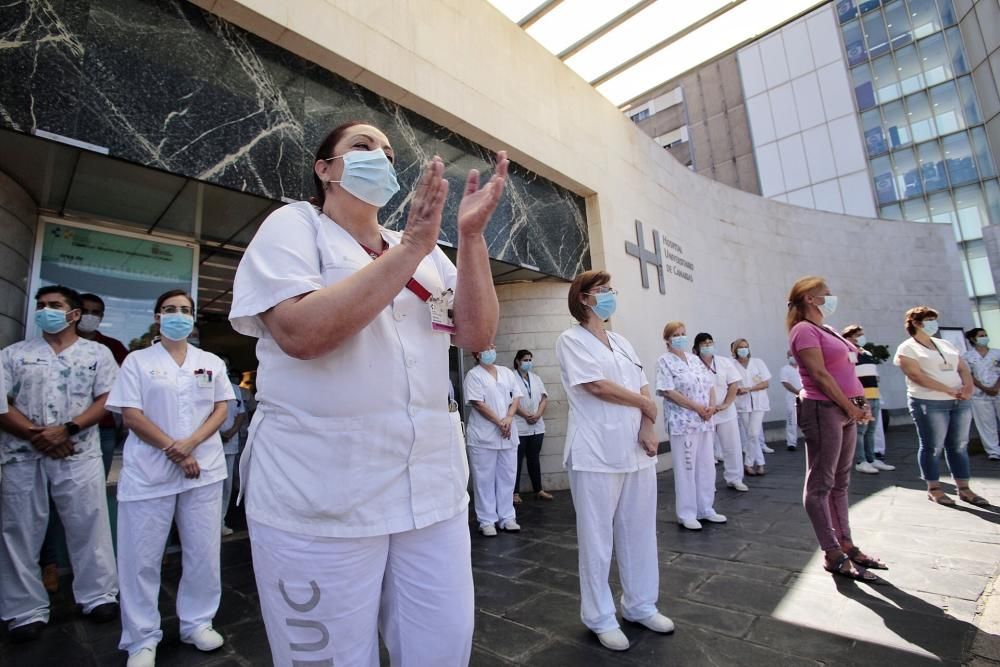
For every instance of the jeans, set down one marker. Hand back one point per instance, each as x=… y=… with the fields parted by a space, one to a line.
x=866 y=435
x=830 y=439
x=530 y=447
x=942 y=425
x=109 y=440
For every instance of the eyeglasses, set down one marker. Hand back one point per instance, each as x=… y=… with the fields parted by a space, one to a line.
x=602 y=290
x=173 y=310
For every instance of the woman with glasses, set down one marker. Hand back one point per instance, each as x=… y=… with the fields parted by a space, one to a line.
x=611 y=458
x=354 y=472
x=752 y=403
x=686 y=386
x=172 y=398
x=491 y=435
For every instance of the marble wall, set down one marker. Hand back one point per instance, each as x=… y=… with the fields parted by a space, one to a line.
x=166 y=84
x=18 y=221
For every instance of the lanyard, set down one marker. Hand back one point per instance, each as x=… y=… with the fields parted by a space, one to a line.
x=938 y=350
x=411 y=284
x=527 y=383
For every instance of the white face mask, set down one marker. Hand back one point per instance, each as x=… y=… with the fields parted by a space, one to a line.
x=89 y=323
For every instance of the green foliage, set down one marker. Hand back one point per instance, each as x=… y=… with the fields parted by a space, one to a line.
x=880 y=352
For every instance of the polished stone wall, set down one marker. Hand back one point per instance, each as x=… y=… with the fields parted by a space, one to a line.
x=166 y=84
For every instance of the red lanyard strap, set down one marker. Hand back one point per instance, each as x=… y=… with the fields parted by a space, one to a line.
x=412 y=284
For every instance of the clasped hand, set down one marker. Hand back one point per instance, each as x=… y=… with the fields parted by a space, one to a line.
x=505 y=425
x=53 y=441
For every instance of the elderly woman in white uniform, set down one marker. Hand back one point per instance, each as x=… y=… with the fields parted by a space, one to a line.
x=172 y=398
x=752 y=403
x=611 y=457
x=688 y=393
x=491 y=435
x=725 y=381
x=355 y=473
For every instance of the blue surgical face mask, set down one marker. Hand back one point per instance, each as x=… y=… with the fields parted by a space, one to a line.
x=176 y=326
x=606 y=304
x=829 y=305
x=862 y=341
x=743 y=352
x=526 y=366
x=707 y=350
x=679 y=342
x=983 y=341
x=369 y=176
x=930 y=327
x=51 y=320
x=487 y=357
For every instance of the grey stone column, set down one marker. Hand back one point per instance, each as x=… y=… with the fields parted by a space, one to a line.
x=18 y=223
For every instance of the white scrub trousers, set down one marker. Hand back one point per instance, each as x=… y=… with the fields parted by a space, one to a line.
x=751 y=432
x=143 y=527
x=78 y=491
x=493 y=473
x=325 y=599
x=616 y=509
x=791 y=422
x=694 y=475
x=728 y=440
x=986 y=412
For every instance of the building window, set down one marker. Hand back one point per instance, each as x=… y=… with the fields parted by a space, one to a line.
x=640 y=115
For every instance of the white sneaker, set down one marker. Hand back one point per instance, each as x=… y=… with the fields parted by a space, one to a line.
x=226 y=531
x=510 y=526
x=738 y=486
x=767 y=450
x=881 y=465
x=691 y=524
x=205 y=639
x=866 y=468
x=144 y=657
x=657 y=623
x=714 y=517
x=488 y=529
x=994 y=457
x=613 y=639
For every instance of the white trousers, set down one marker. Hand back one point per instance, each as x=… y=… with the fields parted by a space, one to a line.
x=143 y=527
x=227 y=484
x=986 y=412
x=879 y=434
x=791 y=422
x=78 y=491
x=694 y=475
x=324 y=599
x=751 y=427
x=727 y=438
x=619 y=510
x=493 y=473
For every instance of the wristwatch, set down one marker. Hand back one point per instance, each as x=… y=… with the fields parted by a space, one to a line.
x=72 y=427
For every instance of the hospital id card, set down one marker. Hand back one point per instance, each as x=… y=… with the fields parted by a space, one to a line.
x=204 y=379
x=442 y=309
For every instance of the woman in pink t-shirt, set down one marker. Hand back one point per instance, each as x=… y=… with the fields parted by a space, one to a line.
x=832 y=404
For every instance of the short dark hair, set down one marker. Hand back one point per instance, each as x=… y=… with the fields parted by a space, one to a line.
x=582 y=284
x=851 y=330
x=972 y=334
x=520 y=355
x=92 y=297
x=71 y=295
x=701 y=338
x=169 y=295
x=915 y=316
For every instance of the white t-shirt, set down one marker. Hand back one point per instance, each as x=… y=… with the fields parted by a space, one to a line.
x=790 y=374
x=754 y=373
x=177 y=399
x=940 y=364
x=497 y=394
x=533 y=391
x=359 y=441
x=724 y=373
x=234 y=408
x=601 y=436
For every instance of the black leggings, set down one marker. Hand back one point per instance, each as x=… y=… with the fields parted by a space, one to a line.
x=530 y=446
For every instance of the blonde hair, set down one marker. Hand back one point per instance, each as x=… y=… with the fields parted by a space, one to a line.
x=736 y=343
x=797 y=305
x=670 y=329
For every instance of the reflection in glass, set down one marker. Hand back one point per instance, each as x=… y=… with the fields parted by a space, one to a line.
x=871 y=124
x=969 y=104
x=891 y=212
x=958 y=158
x=865 y=6
x=906 y=173
x=932 y=169
x=876 y=35
x=956 y=52
x=854 y=42
x=897 y=126
x=897 y=20
x=885 y=189
x=991 y=190
x=919 y=113
x=970 y=207
x=946 y=108
x=984 y=158
x=886 y=79
x=979 y=268
x=915 y=210
x=924 y=17
x=864 y=93
x=935 y=59
x=947 y=10
x=846 y=10
x=910 y=77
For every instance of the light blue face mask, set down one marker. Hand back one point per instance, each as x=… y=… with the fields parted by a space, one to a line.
x=176 y=326
x=369 y=176
x=487 y=357
x=743 y=352
x=983 y=341
x=51 y=320
x=526 y=366
x=930 y=327
x=679 y=342
x=829 y=305
x=606 y=304
x=862 y=341
x=707 y=351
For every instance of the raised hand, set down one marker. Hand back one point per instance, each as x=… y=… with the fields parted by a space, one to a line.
x=423 y=223
x=478 y=203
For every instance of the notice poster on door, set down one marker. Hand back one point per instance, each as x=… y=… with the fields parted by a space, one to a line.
x=128 y=272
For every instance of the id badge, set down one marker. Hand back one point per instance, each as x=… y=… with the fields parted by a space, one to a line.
x=442 y=309
x=945 y=366
x=852 y=357
x=204 y=380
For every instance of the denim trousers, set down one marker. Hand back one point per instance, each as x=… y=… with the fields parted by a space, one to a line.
x=866 y=435
x=942 y=425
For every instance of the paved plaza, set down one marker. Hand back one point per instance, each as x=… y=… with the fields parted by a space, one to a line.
x=751 y=592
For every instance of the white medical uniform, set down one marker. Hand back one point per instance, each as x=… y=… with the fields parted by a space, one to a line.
x=231 y=447
x=492 y=457
x=790 y=374
x=985 y=408
x=612 y=479
x=691 y=436
x=751 y=408
x=50 y=389
x=153 y=491
x=726 y=423
x=532 y=392
x=354 y=452
x=3 y=410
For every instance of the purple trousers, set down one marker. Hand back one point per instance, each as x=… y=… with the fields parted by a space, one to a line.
x=830 y=440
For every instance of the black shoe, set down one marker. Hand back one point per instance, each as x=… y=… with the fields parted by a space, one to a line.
x=103 y=613
x=27 y=633
x=879 y=455
x=792 y=448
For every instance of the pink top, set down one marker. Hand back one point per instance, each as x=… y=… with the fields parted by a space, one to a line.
x=839 y=357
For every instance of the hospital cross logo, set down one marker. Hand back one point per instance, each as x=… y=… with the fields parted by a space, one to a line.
x=646 y=256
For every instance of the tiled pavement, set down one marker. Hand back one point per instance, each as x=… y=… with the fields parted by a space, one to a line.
x=747 y=593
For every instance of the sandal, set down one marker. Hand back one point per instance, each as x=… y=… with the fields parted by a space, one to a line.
x=517 y=498
x=936 y=495
x=968 y=495
x=864 y=560
x=855 y=573
x=760 y=471
x=749 y=471
x=544 y=495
